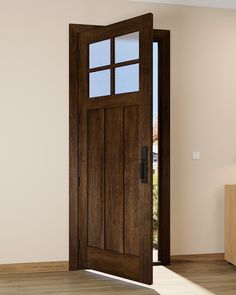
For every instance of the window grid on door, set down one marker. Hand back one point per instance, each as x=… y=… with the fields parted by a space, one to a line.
x=114 y=66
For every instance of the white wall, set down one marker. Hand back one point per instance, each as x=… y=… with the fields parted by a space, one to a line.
x=34 y=121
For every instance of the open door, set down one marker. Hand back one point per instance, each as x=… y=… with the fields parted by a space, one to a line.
x=115 y=149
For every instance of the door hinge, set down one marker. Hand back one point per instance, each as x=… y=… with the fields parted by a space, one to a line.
x=78 y=181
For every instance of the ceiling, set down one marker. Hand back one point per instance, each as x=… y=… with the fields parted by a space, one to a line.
x=228 y=4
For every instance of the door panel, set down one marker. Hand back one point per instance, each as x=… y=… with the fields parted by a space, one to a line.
x=115 y=207
x=114 y=179
x=114 y=263
x=131 y=175
x=96 y=178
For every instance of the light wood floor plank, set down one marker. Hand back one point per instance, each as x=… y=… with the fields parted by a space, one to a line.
x=219 y=277
x=65 y=283
x=183 y=278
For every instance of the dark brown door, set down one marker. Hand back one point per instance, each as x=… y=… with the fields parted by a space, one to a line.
x=115 y=149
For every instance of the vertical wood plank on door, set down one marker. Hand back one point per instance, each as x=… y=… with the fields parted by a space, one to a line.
x=145 y=189
x=83 y=154
x=73 y=155
x=114 y=179
x=131 y=174
x=96 y=178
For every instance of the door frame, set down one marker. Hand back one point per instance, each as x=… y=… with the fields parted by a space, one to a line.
x=163 y=38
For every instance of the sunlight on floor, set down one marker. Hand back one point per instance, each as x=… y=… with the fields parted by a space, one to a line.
x=167 y=282
x=155 y=255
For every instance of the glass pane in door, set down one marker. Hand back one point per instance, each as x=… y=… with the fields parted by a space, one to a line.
x=127 y=79
x=127 y=47
x=100 y=54
x=99 y=83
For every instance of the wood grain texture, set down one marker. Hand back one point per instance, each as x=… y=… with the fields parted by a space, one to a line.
x=230 y=223
x=114 y=151
x=96 y=136
x=198 y=257
x=34 y=267
x=163 y=39
x=73 y=153
x=190 y=278
x=68 y=283
x=74 y=31
x=114 y=180
x=145 y=140
x=139 y=23
x=196 y=278
x=131 y=180
x=83 y=153
x=114 y=101
x=114 y=263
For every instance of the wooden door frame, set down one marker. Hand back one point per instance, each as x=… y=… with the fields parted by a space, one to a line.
x=163 y=38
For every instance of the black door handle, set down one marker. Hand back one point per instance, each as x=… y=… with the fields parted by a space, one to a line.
x=143 y=165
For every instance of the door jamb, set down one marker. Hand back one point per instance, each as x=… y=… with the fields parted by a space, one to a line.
x=163 y=38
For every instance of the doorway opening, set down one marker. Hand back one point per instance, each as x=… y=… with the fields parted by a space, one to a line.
x=155 y=154
x=161 y=147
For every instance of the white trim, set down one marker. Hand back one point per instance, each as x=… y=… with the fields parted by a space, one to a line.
x=225 y=4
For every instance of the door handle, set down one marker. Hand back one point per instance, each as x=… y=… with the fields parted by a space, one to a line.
x=143 y=165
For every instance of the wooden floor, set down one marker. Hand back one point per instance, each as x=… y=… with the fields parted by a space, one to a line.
x=217 y=278
x=66 y=283
x=192 y=278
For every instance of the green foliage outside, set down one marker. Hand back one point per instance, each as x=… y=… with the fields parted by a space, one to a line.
x=155 y=211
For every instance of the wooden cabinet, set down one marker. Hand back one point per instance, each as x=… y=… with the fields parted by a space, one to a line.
x=230 y=223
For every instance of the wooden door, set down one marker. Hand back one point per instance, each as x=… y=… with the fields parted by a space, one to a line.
x=115 y=149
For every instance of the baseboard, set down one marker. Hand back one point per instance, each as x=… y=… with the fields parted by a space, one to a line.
x=35 y=267
x=198 y=257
